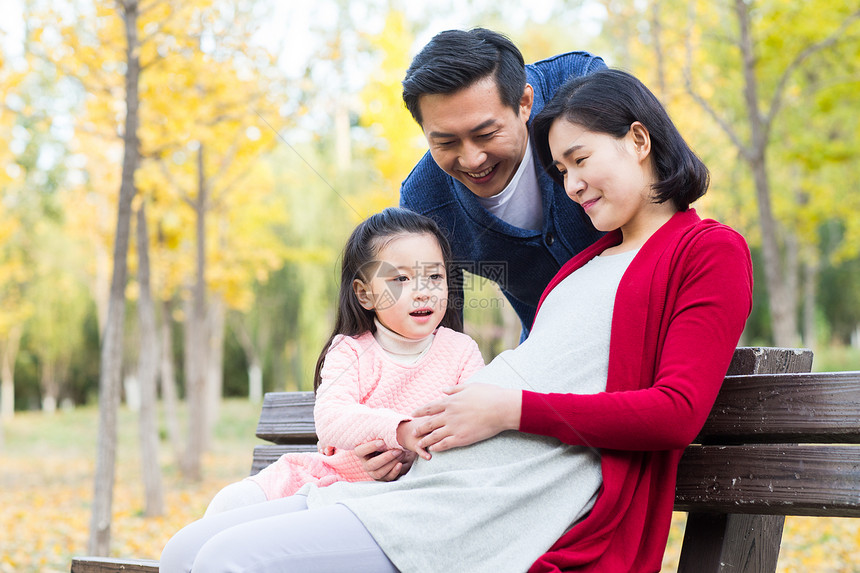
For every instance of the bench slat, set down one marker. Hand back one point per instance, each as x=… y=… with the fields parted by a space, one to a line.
x=112 y=565
x=819 y=407
x=266 y=454
x=761 y=360
x=770 y=479
x=287 y=418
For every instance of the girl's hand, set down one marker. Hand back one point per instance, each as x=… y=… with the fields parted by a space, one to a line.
x=382 y=464
x=408 y=437
x=468 y=414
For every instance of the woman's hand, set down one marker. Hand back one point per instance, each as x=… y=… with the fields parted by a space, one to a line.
x=468 y=414
x=382 y=464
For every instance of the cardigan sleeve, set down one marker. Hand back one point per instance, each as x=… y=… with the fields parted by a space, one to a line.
x=706 y=314
x=342 y=419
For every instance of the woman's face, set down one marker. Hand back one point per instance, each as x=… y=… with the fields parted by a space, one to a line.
x=609 y=177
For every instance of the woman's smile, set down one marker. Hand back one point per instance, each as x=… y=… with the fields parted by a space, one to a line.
x=586 y=205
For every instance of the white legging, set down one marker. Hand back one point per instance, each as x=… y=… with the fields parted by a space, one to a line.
x=282 y=535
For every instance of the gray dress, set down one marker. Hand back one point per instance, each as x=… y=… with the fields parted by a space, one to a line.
x=498 y=505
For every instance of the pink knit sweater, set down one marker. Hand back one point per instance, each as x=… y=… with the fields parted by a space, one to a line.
x=364 y=395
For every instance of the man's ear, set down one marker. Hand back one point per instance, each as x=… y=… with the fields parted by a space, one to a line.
x=526 y=102
x=363 y=294
x=641 y=139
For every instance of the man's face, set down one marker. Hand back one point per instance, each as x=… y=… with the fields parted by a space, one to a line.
x=474 y=137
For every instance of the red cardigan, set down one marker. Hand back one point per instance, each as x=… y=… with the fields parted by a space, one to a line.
x=679 y=312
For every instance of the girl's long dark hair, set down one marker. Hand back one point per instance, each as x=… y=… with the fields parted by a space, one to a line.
x=360 y=252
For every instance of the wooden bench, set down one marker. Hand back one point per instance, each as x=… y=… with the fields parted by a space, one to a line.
x=779 y=441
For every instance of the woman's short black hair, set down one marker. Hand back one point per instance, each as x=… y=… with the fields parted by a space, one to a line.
x=456 y=59
x=609 y=101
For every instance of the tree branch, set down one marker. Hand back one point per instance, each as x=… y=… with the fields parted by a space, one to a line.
x=172 y=181
x=159 y=25
x=225 y=189
x=656 y=35
x=145 y=7
x=776 y=101
x=697 y=97
x=113 y=136
x=242 y=335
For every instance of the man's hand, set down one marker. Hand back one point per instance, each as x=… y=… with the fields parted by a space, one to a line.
x=383 y=464
x=468 y=414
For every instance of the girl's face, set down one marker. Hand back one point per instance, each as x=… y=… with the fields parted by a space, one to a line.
x=610 y=178
x=408 y=285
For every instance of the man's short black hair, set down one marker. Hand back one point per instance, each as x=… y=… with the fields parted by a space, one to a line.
x=456 y=59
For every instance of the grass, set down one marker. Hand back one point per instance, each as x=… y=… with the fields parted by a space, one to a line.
x=46 y=481
x=836 y=358
x=46 y=472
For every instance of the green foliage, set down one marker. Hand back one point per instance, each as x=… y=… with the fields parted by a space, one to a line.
x=758 y=331
x=836 y=358
x=839 y=298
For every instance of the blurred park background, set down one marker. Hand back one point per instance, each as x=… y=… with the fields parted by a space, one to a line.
x=177 y=179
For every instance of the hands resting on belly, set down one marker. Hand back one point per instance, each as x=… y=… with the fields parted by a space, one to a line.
x=467 y=414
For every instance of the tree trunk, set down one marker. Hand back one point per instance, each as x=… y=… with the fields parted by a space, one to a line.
x=810 y=279
x=7 y=372
x=112 y=342
x=169 y=394
x=50 y=388
x=197 y=339
x=618 y=27
x=147 y=374
x=131 y=391
x=255 y=382
x=791 y=268
x=255 y=368
x=781 y=302
x=214 y=367
x=101 y=287
x=657 y=37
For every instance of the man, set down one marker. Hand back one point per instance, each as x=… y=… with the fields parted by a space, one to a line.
x=473 y=96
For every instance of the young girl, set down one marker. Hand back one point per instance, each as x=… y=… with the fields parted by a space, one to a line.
x=561 y=454
x=394 y=348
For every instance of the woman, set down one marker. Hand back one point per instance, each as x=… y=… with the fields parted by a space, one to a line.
x=625 y=358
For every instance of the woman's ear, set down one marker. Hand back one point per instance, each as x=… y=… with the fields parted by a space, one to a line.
x=641 y=139
x=363 y=294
